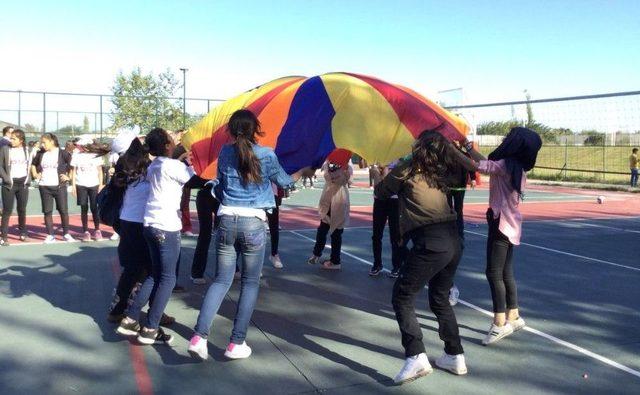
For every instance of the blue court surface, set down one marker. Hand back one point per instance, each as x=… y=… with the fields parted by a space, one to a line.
x=334 y=332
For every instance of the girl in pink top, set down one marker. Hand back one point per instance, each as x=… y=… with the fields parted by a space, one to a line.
x=506 y=168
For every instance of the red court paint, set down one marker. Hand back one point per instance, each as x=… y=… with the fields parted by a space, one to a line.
x=140 y=371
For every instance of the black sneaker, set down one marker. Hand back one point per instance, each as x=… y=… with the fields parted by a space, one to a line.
x=178 y=289
x=394 y=273
x=156 y=336
x=128 y=327
x=115 y=318
x=375 y=271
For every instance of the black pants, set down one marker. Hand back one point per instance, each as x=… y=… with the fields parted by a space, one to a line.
x=456 y=202
x=87 y=200
x=135 y=260
x=433 y=260
x=206 y=206
x=18 y=192
x=500 y=268
x=47 y=196
x=321 y=240
x=383 y=211
x=274 y=225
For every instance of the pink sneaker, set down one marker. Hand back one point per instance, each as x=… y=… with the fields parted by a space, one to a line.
x=237 y=351
x=86 y=236
x=97 y=235
x=198 y=348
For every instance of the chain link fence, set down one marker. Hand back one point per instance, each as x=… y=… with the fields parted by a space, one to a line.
x=585 y=138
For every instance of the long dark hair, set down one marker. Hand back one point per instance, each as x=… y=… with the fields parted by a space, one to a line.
x=157 y=140
x=432 y=160
x=52 y=137
x=19 y=133
x=132 y=165
x=244 y=126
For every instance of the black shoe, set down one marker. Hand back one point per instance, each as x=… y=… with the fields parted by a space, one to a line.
x=178 y=289
x=375 y=271
x=156 y=336
x=167 y=320
x=394 y=273
x=128 y=328
x=115 y=318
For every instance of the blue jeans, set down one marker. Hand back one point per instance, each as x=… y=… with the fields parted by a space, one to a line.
x=164 y=249
x=634 y=177
x=247 y=234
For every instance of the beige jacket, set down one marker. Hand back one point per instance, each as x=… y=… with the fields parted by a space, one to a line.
x=335 y=199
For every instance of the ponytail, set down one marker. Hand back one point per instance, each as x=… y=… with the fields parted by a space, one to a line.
x=244 y=126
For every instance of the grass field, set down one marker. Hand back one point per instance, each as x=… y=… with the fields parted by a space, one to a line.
x=586 y=158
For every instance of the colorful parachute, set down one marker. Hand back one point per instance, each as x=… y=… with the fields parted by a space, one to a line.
x=305 y=119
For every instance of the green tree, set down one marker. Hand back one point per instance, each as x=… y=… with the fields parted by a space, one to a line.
x=499 y=128
x=142 y=100
x=85 y=125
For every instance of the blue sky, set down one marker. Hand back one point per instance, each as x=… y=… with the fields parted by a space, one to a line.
x=494 y=49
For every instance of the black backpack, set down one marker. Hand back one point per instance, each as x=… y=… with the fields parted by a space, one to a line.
x=109 y=201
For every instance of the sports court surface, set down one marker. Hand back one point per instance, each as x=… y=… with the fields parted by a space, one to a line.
x=578 y=273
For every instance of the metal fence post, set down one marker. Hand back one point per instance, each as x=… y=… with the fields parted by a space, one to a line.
x=20 y=108
x=100 y=117
x=208 y=102
x=57 y=120
x=44 y=112
x=566 y=157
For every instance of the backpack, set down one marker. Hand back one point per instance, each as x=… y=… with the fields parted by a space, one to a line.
x=109 y=201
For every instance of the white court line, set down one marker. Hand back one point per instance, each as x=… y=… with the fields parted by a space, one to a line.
x=547 y=336
x=568 y=254
x=609 y=227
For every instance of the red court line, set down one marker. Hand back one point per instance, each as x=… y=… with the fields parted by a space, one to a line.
x=140 y=371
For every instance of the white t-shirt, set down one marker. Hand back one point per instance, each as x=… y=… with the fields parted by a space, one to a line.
x=166 y=178
x=242 y=212
x=135 y=201
x=49 y=165
x=19 y=161
x=87 y=167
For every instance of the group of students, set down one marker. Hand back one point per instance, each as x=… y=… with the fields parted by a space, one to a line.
x=54 y=170
x=415 y=195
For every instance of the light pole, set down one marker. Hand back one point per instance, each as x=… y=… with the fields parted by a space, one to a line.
x=184 y=97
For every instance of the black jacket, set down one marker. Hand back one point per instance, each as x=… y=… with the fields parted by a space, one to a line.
x=5 y=166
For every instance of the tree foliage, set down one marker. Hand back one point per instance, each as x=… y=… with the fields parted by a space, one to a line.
x=143 y=100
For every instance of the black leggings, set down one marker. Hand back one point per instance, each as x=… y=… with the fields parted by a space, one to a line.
x=87 y=199
x=274 y=225
x=135 y=260
x=47 y=196
x=321 y=240
x=455 y=198
x=383 y=211
x=207 y=207
x=500 y=268
x=18 y=192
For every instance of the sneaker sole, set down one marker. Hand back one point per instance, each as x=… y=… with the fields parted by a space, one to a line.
x=149 y=342
x=452 y=370
x=414 y=378
x=497 y=339
x=230 y=356
x=126 y=332
x=196 y=355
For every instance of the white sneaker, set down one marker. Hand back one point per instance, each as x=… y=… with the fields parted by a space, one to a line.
x=517 y=324
x=453 y=363
x=275 y=261
x=68 y=238
x=414 y=367
x=114 y=237
x=189 y=234
x=496 y=333
x=454 y=295
x=237 y=351
x=198 y=348
x=313 y=260
x=50 y=239
x=198 y=280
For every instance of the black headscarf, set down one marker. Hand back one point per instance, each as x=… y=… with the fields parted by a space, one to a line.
x=519 y=149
